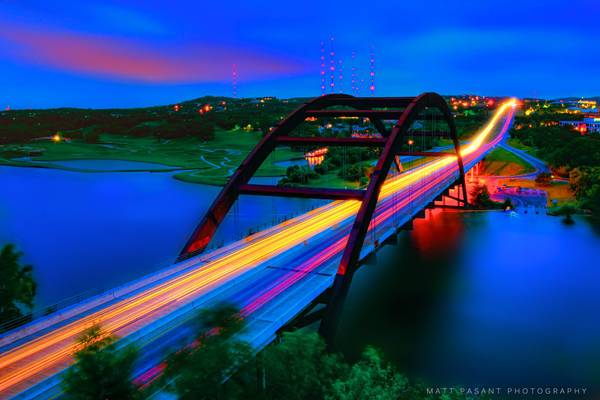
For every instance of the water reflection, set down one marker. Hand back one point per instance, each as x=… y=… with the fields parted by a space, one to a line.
x=483 y=299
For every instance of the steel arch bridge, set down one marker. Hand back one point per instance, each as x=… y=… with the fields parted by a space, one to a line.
x=405 y=111
x=155 y=310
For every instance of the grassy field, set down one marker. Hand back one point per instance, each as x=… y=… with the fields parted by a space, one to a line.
x=516 y=143
x=208 y=162
x=501 y=162
x=193 y=160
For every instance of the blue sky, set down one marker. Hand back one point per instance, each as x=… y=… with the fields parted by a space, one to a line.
x=109 y=54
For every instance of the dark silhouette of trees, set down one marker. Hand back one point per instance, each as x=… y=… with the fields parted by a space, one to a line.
x=299 y=367
x=17 y=286
x=200 y=371
x=480 y=196
x=353 y=172
x=371 y=378
x=585 y=183
x=101 y=371
x=543 y=178
x=298 y=175
x=567 y=212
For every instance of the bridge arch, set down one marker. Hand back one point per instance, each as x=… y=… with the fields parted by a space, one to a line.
x=404 y=110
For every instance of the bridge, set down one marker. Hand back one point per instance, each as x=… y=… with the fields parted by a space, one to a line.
x=295 y=273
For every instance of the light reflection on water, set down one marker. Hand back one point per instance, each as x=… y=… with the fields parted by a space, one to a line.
x=482 y=298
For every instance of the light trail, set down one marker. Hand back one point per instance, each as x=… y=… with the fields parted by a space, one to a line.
x=52 y=352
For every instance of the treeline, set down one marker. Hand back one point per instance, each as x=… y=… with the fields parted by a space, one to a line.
x=221 y=366
x=21 y=127
x=186 y=119
x=468 y=125
x=561 y=147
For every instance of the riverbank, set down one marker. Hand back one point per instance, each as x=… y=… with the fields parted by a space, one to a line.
x=209 y=162
x=505 y=168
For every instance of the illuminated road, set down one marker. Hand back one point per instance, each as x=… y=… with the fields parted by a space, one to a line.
x=251 y=272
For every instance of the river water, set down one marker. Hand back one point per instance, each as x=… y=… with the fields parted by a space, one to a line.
x=85 y=232
x=478 y=298
x=483 y=299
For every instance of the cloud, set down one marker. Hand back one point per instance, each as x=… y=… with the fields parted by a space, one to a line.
x=123 y=59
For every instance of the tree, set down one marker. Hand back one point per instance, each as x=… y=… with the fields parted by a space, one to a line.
x=543 y=178
x=92 y=135
x=352 y=173
x=507 y=204
x=298 y=175
x=480 y=196
x=585 y=183
x=299 y=367
x=17 y=286
x=566 y=211
x=371 y=378
x=200 y=371
x=101 y=371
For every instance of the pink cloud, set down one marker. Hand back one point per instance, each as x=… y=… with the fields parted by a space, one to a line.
x=129 y=60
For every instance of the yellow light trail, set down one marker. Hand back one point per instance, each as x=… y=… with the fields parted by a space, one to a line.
x=51 y=352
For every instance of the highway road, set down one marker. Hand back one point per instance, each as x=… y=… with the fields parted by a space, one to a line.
x=254 y=273
x=538 y=164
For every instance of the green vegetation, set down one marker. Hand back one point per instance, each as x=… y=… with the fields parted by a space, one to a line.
x=101 y=371
x=208 y=144
x=218 y=365
x=501 y=162
x=204 y=162
x=544 y=179
x=516 y=143
x=585 y=183
x=468 y=125
x=561 y=147
x=568 y=153
x=17 y=286
x=198 y=372
x=297 y=367
x=206 y=138
x=480 y=198
x=566 y=211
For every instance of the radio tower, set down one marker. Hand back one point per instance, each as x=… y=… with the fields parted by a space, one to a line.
x=353 y=82
x=341 y=76
x=322 y=68
x=331 y=65
x=372 y=73
x=234 y=77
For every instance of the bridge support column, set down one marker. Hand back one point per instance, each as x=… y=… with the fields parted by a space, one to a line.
x=352 y=252
x=330 y=322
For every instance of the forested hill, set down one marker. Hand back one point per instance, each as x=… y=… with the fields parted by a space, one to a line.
x=198 y=117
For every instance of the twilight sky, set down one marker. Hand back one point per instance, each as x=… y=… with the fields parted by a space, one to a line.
x=135 y=53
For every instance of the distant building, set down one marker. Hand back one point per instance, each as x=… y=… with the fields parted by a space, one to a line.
x=587 y=125
x=578 y=106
